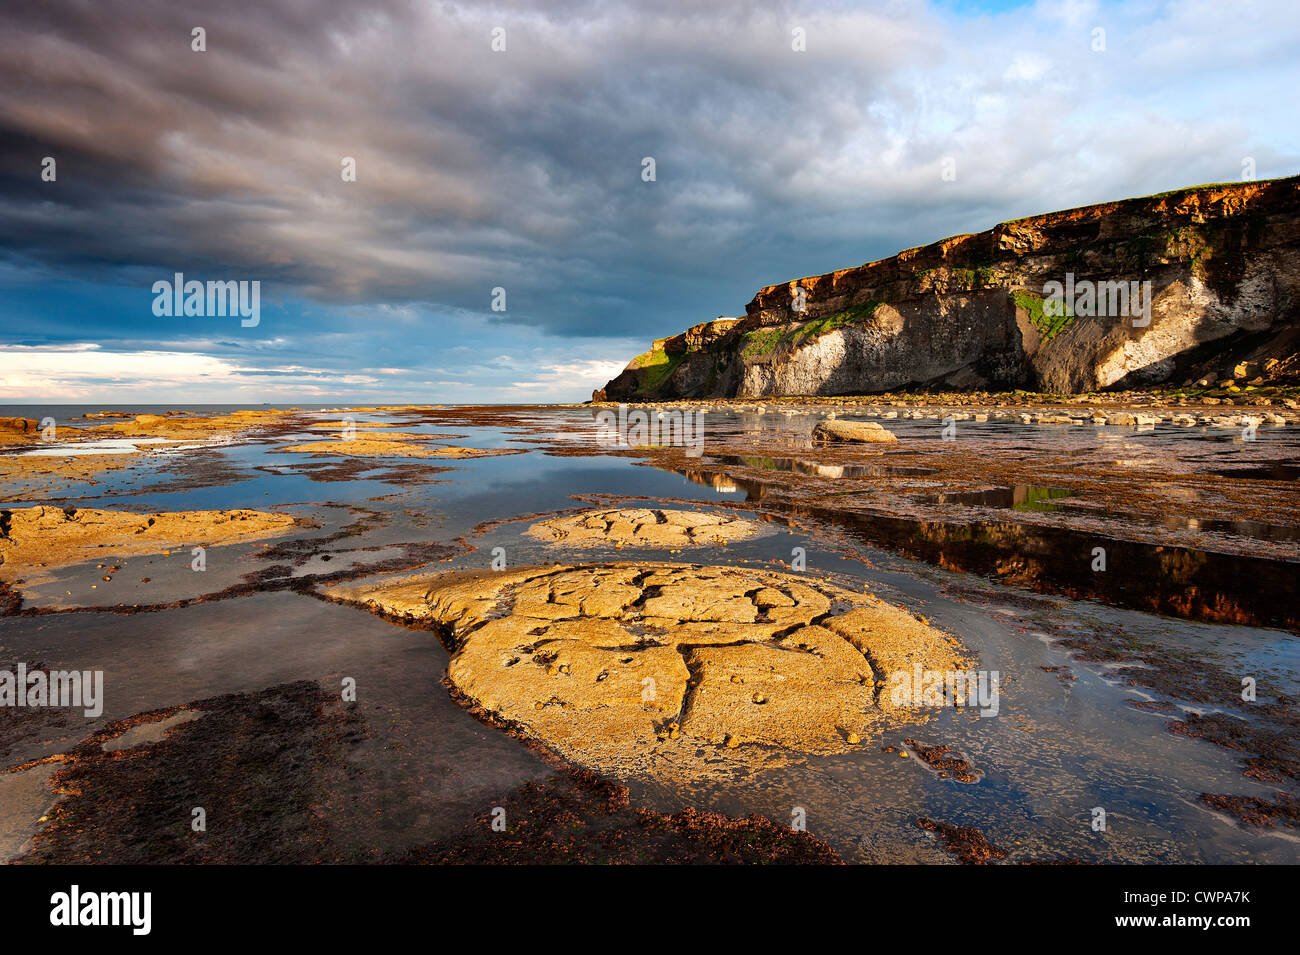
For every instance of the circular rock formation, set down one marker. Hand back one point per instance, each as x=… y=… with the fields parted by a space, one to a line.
x=644 y=527
x=670 y=668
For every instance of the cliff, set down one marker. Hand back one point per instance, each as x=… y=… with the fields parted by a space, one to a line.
x=1129 y=294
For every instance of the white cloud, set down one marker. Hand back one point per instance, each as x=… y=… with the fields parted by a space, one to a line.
x=559 y=381
x=86 y=372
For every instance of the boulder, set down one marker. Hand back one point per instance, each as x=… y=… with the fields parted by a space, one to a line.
x=865 y=431
x=18 y=426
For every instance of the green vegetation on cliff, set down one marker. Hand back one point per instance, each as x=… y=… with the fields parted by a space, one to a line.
x=762 y=342
x=1048 y=326
x=655 y=366
x=974 y=278
x=819 y=327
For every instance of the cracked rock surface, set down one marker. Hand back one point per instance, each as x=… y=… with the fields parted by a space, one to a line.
x=644 y=527
x=672 y=669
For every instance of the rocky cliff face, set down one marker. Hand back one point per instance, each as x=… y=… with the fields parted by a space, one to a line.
x=1119 y=295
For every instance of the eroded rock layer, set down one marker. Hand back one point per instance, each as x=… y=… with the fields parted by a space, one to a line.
x=671 y=668
x=643 y=527
x=381 y=447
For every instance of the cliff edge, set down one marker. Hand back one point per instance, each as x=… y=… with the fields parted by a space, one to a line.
x=1158 y=290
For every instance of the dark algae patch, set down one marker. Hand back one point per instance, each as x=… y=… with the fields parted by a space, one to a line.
x=578 y=817
x=256 y=763
x=1284 y=810
x=946 y=762
x=968 y=844
x=266 y=766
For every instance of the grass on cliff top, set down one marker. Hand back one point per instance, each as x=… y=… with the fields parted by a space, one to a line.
x=762 y=342
x=1048 y=326
x=1211 y=185
x=655 y=366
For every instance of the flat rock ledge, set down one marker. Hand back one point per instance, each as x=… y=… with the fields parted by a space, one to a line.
x=644 y=527
x=380 y=448
x=34 y=537
x=866 y=431
x=671 y=669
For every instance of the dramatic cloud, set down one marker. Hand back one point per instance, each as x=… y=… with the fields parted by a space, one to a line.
x=521 y=169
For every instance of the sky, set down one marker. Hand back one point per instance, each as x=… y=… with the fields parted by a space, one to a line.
x=504 y=146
